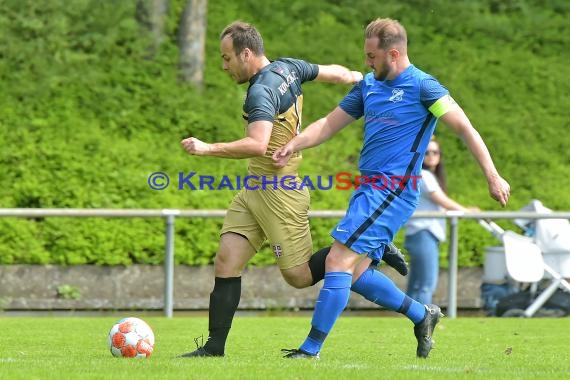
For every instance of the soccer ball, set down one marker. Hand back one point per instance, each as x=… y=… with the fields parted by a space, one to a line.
x=131 y=338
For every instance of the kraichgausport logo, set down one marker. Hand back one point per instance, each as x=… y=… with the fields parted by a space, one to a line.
x=339 y=181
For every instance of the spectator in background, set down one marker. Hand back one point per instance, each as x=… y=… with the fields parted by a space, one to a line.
x=423 y=235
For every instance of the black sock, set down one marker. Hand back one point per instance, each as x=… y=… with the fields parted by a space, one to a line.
x=317 y=264
x=224 y=301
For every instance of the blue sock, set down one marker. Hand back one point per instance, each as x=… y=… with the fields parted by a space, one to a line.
x=332 y=300
x=376 y=287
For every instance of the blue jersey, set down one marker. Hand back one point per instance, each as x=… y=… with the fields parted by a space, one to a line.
x=397 y=124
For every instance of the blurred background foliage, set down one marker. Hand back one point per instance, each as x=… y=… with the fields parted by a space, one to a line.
x=86 y=115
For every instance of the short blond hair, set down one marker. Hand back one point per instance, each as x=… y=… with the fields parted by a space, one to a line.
x=390 y=33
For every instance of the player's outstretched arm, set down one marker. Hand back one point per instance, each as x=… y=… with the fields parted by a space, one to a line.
x=499 y=188
x=254 y=144
x=338 y=74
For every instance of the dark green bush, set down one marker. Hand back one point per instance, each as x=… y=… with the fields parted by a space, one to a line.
x=86 y=115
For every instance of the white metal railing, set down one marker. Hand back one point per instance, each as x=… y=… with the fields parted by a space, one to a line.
x=171 y=214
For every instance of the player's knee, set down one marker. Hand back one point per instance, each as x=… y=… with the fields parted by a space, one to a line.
x=335 y=260
x=299 y=277
x=296 y=283
x=226 y=267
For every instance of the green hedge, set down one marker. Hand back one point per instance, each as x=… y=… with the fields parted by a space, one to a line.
x=86 y=115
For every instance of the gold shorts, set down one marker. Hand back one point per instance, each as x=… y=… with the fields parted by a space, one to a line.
x=281 y=216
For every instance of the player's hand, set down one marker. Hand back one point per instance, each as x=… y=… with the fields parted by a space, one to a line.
x=499 y=189
x=195 y=146
x=356 y=76
x=282 y=155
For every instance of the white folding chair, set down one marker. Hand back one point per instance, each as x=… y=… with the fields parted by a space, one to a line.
x=525 y=264
x=523 y=258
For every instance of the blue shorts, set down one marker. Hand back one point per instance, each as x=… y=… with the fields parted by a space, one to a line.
x=372 y=220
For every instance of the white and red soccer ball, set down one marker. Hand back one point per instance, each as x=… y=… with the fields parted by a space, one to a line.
x=131 y=338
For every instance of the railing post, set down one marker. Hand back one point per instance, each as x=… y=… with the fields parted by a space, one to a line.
x=169 y=266
x=453 y=262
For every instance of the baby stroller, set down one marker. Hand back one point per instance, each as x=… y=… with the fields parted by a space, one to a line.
x=540 y=259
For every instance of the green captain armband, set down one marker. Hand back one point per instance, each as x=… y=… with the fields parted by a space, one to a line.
x=442 y=106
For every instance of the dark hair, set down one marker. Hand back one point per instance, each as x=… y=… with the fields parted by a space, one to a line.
x=439 y=169
x=243 y=36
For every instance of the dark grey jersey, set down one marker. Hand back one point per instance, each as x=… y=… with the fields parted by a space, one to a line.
x=275 y=88
x=275 y=95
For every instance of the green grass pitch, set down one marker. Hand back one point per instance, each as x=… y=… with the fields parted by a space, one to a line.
x=359 y=347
